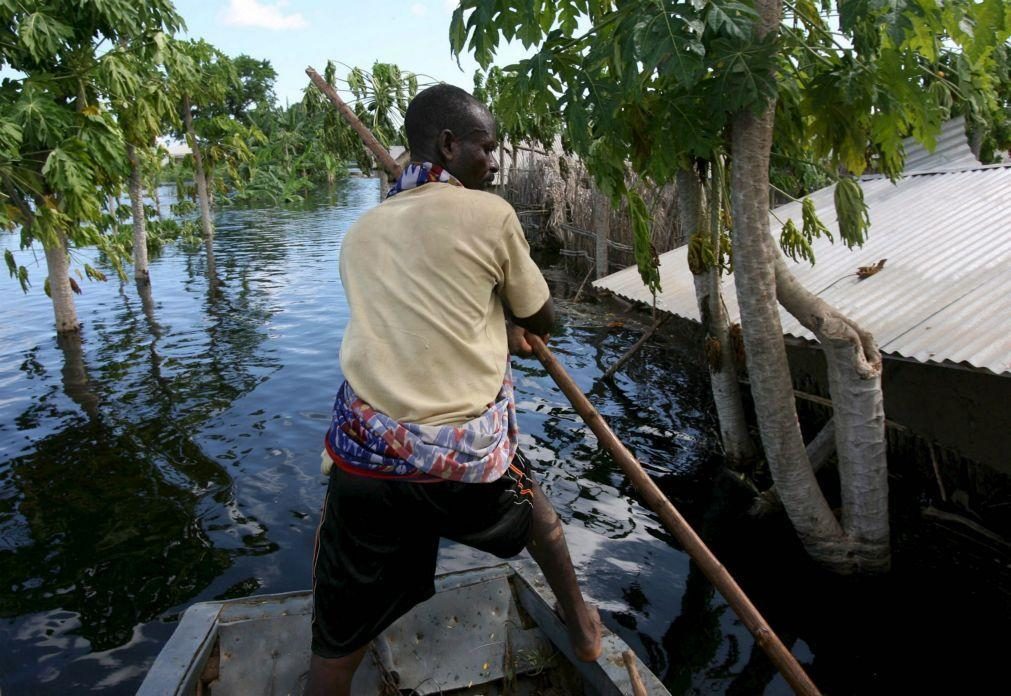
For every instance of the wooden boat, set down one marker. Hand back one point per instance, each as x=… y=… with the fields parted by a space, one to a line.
x=489 y=631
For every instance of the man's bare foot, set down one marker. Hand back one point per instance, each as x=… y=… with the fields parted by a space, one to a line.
x=584 y=633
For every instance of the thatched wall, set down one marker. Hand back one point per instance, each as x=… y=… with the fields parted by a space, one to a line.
x=554 y=198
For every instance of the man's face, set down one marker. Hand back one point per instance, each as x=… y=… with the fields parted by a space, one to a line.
x=470 y=155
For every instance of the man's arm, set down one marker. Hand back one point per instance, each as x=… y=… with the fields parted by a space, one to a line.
x=540 y=322
x=518 y=330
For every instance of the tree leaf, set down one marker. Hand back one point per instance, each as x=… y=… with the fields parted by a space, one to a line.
x=851 y=212
x=42 y=35
x=43 y=122
x=67 y=174
x=733 y=19
x=743 y=76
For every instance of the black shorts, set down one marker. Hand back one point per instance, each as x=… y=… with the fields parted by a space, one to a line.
x=378 y=540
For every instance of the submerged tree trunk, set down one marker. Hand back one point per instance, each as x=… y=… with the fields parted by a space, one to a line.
x=854 y=375
x=203 y=195
x=58 y=265
x=755 y=262
x=140 y=269
x=198 y=173
x=737 y=445
x=769 y=373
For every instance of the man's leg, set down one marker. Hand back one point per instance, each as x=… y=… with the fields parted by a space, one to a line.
x=547 y=546
x=332 y=677
x=370 y=566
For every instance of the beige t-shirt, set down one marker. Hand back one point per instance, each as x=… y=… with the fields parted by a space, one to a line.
x=424 y=273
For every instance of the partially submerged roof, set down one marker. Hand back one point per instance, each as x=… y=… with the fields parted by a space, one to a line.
x=944 y=294
x=951 y=151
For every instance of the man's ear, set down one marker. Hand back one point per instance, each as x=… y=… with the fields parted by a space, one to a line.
x=447 y=144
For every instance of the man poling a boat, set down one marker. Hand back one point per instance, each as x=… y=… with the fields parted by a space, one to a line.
x=422 y=443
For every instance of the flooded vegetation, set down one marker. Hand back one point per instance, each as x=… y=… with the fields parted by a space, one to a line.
x=170 y=454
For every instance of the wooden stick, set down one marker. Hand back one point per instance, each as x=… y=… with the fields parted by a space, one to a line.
x=933 y=512
x=638 y=688
x=822 y=401
x=784 y=661
x=937 y=472
x=579 y=291
x=635 y=347
x=381 y=153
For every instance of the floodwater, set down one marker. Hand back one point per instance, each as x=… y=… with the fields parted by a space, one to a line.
x=170 y=455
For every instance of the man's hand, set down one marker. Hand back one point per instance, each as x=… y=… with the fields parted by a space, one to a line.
x=519 y=343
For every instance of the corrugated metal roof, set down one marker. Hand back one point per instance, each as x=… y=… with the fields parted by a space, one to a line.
x=945 y=291
x=950 y=152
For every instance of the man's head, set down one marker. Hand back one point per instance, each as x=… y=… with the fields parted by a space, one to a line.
x=450 y=128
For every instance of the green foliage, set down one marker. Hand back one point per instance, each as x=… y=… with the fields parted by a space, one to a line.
x=379 y=99
x=908 y=65
x=93 y=273
x=795 y=244
x=62 y=152
x=651 y=84
x=41 y=35
x=103 y=79
x=252 y=90
x=851 y=211
x=67 y=168
x=703 y=256
x=645 y=253
x=522 y=116
x=989 y=121
x=813 y=226
x=649 y=88
x=19 y=272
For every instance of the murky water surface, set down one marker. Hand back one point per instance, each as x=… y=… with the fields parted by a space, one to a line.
x=171 y=456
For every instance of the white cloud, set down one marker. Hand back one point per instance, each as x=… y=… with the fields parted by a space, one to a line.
x=450 y=5
x=251 y=13
x=418 y=10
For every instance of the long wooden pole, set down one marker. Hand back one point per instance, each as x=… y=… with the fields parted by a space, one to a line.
x=784 y=661
x=381 y=153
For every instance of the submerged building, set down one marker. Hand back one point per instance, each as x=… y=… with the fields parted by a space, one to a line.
x=940 y=307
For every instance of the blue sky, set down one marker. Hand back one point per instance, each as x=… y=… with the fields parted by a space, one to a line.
x=293 y=34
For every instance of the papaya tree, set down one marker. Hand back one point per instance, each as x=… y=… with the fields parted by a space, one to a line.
x=198 y=74
x=201 y=78
x=701 y=211
x=293 y=159
x=252 y=93
x=515 y=125
x=62 y=152
x=658 y=88
x=379 y=100
x=144 y=109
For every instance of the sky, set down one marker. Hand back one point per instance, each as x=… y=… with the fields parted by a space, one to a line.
x=294 y=34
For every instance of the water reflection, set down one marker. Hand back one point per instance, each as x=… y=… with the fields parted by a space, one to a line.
x=114 y=512
x=106 y=536
x=76 y=383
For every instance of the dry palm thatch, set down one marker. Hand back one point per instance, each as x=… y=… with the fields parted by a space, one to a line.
x=554 y=197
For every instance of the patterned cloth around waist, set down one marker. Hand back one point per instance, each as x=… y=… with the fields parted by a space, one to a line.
x=364 y=441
